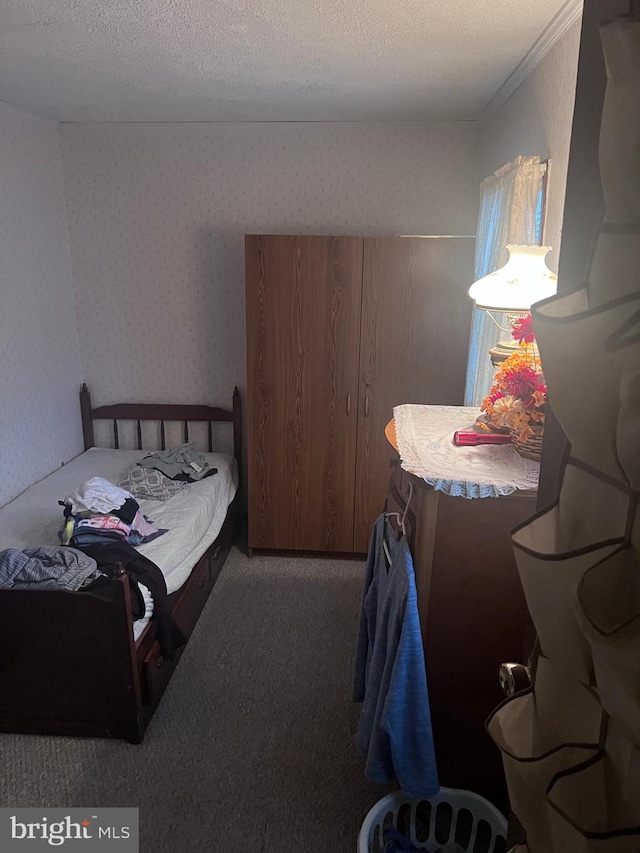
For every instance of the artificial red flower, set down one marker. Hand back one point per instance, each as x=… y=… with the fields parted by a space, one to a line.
x=518 y=395
x=522 y=330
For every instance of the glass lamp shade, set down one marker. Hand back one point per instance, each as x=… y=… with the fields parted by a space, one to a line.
x=523 y=280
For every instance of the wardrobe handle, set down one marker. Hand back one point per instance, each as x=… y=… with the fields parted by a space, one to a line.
x=348 y=404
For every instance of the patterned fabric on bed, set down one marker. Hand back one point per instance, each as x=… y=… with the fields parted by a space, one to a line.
x=48 y=566
x=151 y=484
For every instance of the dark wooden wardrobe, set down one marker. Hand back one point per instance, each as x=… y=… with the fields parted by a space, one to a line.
x=339 y=331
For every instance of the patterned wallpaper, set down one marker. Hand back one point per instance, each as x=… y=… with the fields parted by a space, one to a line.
x=537 y=119
x=158 y=213
x=39 y=380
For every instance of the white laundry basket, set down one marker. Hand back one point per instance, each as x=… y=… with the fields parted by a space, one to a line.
x=453 y=816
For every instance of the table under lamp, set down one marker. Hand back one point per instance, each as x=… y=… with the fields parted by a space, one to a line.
x=513 y=289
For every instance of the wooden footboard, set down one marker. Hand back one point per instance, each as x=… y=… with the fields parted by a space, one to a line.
x=69 y=664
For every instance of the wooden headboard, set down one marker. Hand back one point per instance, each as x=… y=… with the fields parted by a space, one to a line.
x=161 y=412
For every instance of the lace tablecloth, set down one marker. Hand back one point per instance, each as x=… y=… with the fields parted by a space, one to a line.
x=425 y=443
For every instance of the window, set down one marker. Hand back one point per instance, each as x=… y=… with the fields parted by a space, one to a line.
x=512 y=210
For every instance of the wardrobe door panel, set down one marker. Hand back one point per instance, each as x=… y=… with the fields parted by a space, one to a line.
x=303 y=326
x=416 y=318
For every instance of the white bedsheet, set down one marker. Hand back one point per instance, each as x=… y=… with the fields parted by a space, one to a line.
x=193 y=516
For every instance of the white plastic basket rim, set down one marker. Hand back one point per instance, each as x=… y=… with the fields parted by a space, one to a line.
x=457 y=798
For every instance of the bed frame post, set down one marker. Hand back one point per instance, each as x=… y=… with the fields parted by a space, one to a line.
x=237 y=430
x=87 y=421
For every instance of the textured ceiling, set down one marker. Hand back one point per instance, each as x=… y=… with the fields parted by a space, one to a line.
x=262 y=60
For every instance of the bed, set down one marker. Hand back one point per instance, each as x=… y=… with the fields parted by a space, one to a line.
x=76 y=663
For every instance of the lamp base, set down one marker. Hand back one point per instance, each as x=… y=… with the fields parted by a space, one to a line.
x=503 y=349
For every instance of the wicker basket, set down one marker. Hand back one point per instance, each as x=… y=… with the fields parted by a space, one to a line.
x=532 y=447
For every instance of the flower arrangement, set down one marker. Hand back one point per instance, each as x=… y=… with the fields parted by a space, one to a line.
x=517 y=398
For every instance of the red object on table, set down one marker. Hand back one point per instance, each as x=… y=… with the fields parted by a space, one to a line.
x=465 y=437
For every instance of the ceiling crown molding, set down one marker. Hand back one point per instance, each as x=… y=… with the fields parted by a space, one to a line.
x=553 y=32
x=9 y=111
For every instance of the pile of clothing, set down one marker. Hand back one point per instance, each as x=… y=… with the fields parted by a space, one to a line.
x=47 y=567
x=103 y=522
x=99 y=511
x=159 y=476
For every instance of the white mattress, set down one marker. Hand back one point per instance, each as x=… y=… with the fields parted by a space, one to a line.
x=193 y=516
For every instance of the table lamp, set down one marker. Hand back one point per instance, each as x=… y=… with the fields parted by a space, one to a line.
x=512 y=290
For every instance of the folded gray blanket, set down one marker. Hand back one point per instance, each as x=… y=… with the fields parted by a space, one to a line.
x=180 y=462
x=47 y=567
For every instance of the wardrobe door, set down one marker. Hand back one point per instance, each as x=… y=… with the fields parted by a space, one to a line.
x=303 y=327
x=416 y=319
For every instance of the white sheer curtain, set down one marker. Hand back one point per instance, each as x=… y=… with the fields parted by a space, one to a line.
x=509 y=213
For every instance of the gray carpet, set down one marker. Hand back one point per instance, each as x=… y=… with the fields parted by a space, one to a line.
x=251 y=748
